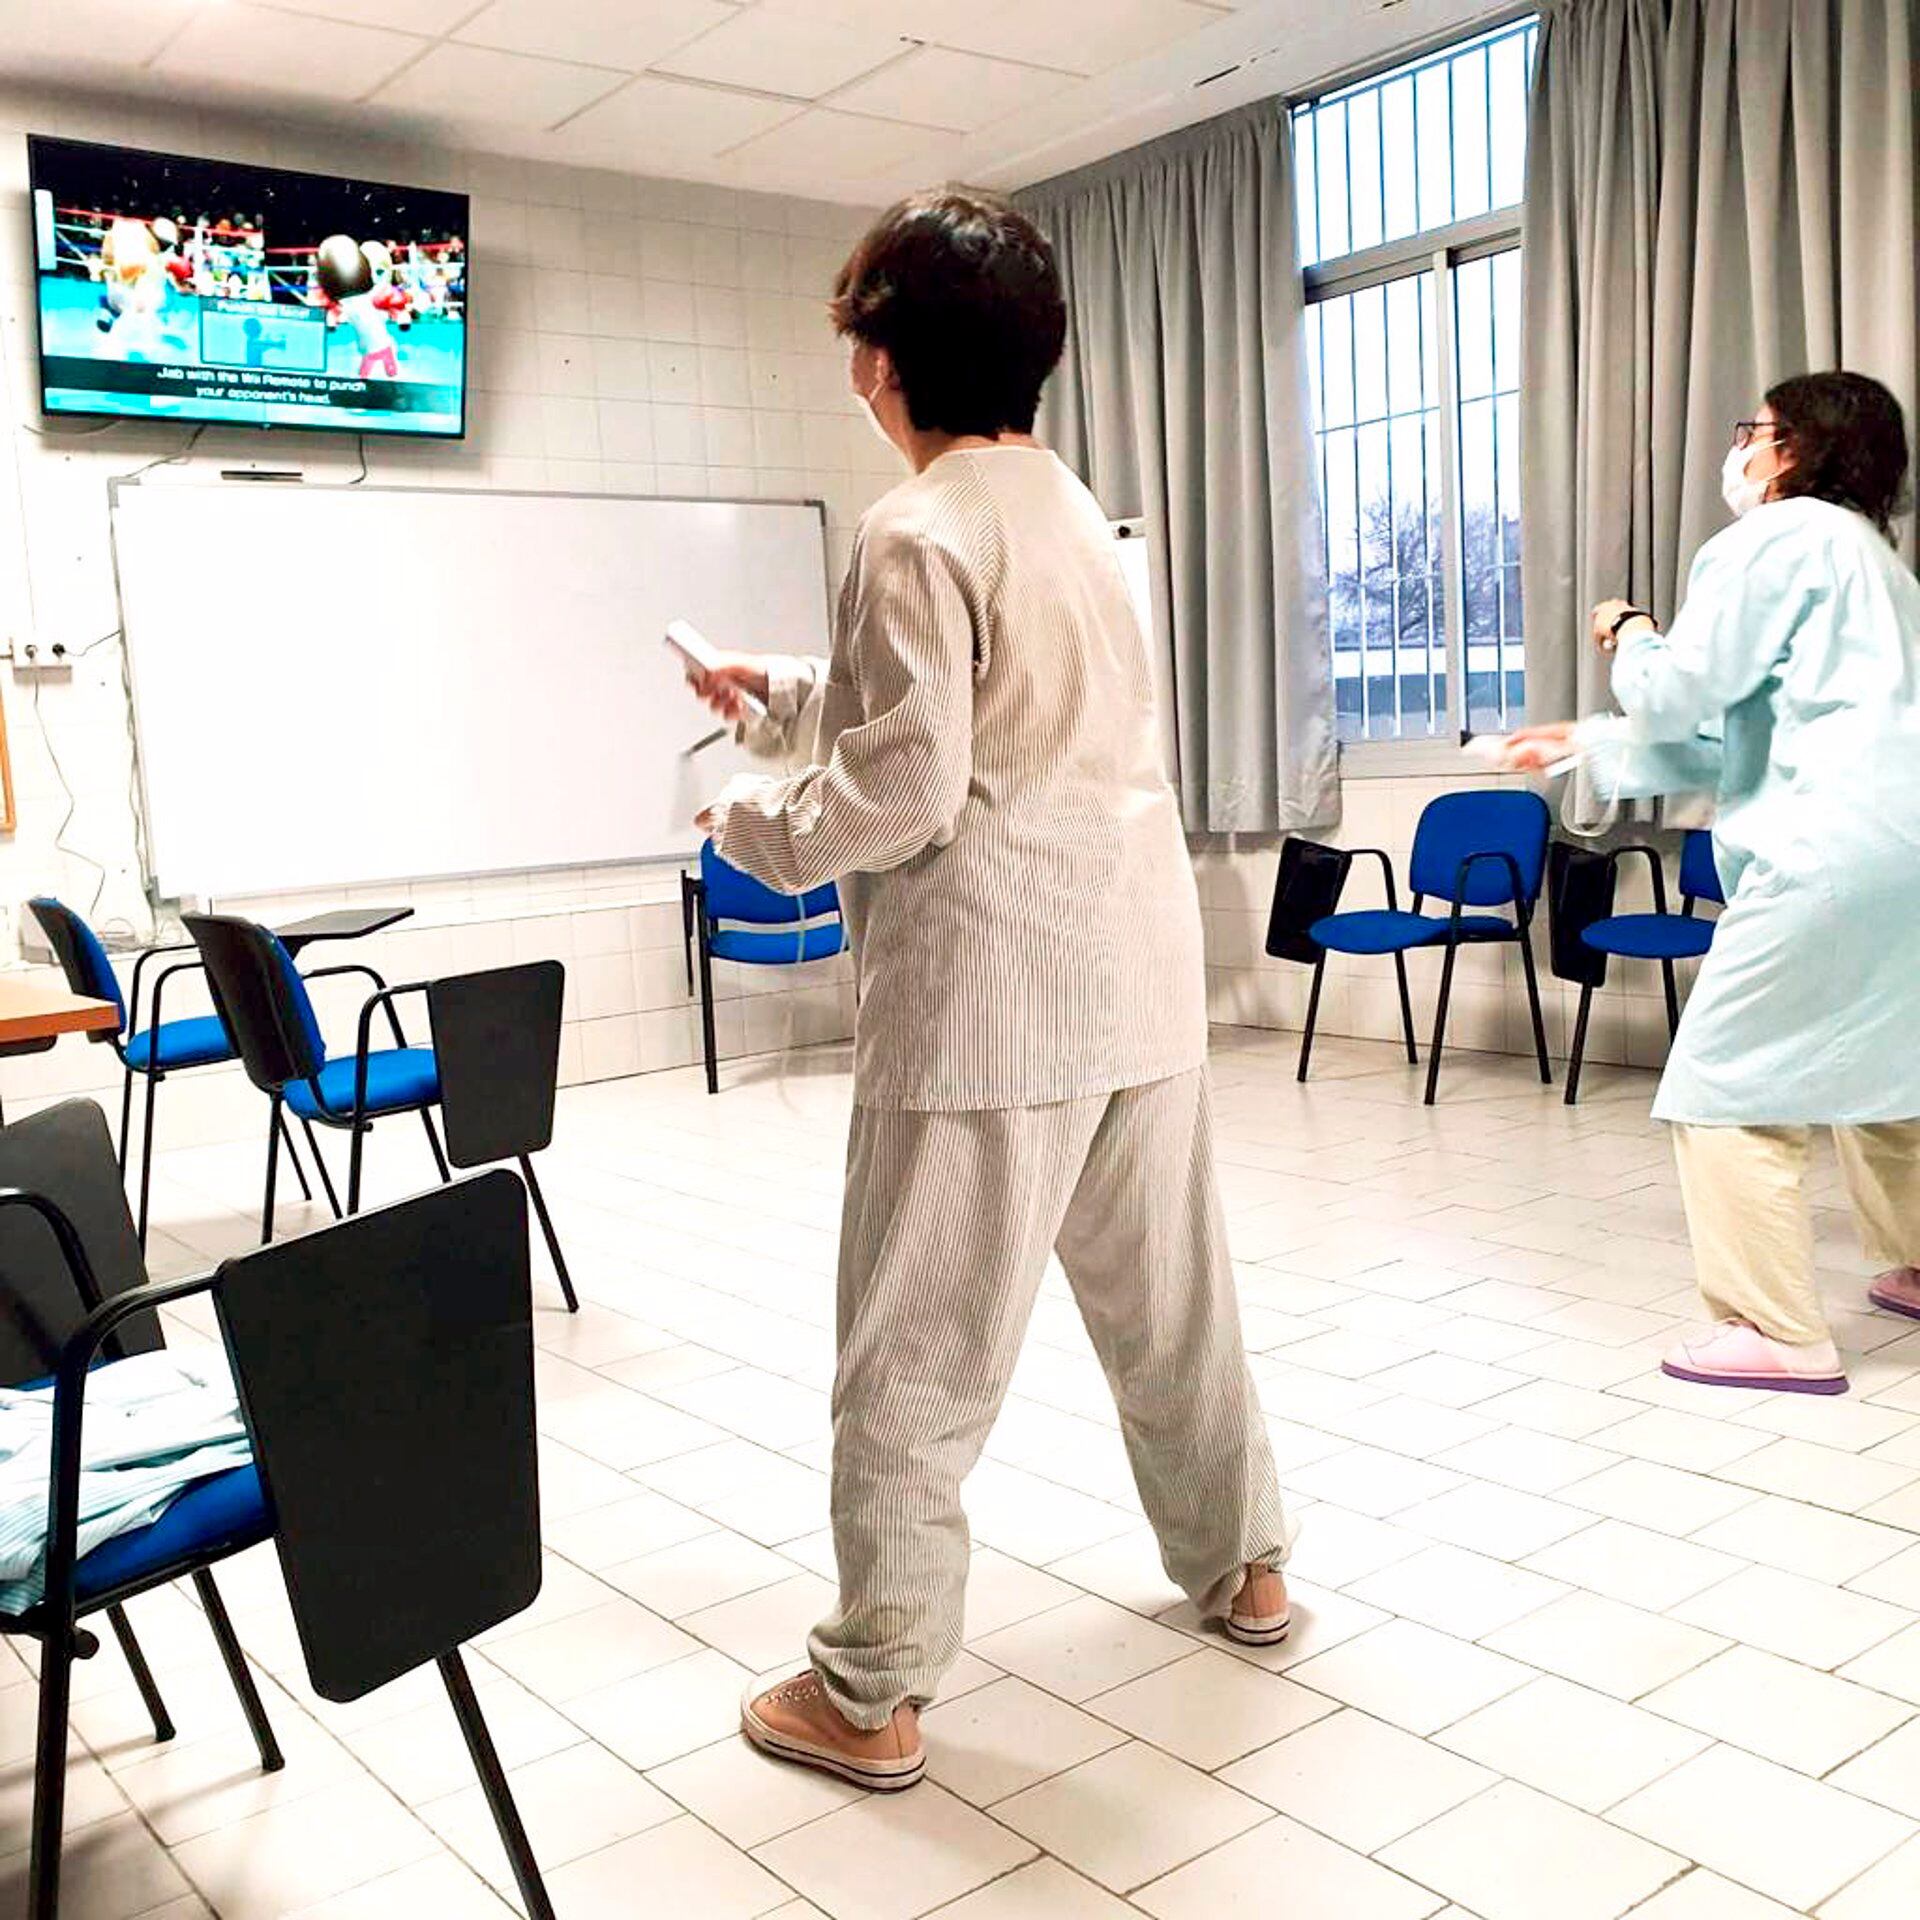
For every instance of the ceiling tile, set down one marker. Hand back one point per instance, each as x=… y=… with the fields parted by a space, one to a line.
x=431 y=17
x=846 y=147
x=937 y=87
x=777 y=53
x=90 y=34
x=650 y=118
x=630 y=33
x=1077 y=39
x=476 y=84
x=235 y=48
x=912 y=19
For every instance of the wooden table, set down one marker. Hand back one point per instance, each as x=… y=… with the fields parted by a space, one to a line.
x=30 y=1010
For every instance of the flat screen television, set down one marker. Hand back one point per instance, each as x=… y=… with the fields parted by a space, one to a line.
x=207 y=291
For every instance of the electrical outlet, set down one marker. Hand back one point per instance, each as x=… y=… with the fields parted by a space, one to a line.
x=38 y=656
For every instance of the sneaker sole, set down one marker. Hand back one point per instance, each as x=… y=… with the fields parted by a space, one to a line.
x=1759 y=1383
x=1258 y=1633
x=1890 y=1304
x=877 y=1776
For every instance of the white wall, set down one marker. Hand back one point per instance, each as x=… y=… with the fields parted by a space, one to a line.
x=1360 y=999
x=591 y=292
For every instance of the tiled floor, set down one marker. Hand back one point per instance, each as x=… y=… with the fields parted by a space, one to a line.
x=1572 y=1640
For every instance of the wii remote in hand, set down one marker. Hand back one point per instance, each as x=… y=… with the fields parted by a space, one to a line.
x=698 y=653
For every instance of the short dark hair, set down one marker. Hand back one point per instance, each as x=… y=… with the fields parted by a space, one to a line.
x=962 y=291
x=1848 y=439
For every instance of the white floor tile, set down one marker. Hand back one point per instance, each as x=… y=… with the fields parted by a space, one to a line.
x=1209 y=1708
x=1666 y=1499
x=1887 y=1773
x=889 y=1857
x=1822 y=1476
x=697 y=1573
x=1045 y=1890
x=768 y=1627
x=1795 y=1537
x=111 y=1870
x=1007 y=1736
x=1602 y=1644
x=1888 y=1891
x=1782 y=1711
x=1635 y=1565
x=1086 y=1647
x=439 y=1886
x=746 y=1797
x=1514 y=1854
x=1764 y=1826
x=1358 y=1780
x=1462 y=1593
x=1130 y=1815
x=1412 y=1676
x=1784 y=1613
x=676 y=1868
x=1893 y=1666
x=1705 y=1896
x=590 y=1651
x=1306 y=1873
x=1001 y=1591
x=1582 y=1747
x=658 y=1716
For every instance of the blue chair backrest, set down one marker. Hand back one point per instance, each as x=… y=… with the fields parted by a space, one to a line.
x=82 y=958
x=733 y=895
x=1699 y=877
x=263 y=1002
x=1494 y=820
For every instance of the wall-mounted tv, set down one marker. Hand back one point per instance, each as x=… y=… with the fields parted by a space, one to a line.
x=208 y=291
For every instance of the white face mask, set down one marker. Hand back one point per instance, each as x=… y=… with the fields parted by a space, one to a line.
x=1741 y=494
x=866 y=405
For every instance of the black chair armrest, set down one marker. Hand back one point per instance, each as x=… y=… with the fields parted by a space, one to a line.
x=1522 y=907
x=380 y=987
x=159 y=987
x=1655 y=865
x=363 y=1040
x=140 y=967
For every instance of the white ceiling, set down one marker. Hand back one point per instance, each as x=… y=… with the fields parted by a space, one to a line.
x=851 y=100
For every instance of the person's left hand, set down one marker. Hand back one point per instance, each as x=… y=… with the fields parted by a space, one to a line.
x=704 y=819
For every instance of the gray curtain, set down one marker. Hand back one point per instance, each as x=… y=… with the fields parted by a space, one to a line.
x=1720 y=193
x=1183 y=397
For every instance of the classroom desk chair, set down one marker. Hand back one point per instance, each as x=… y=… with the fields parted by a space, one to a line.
x=160 y=1048
x=491 y=1066
x=73 y=1292
x=1471 y=851
x=764 y=929
x=1659 y=935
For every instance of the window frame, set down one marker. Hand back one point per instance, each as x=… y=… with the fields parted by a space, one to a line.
x=1437 y=251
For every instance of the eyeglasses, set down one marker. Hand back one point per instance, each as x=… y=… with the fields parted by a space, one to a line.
x=1744 y=430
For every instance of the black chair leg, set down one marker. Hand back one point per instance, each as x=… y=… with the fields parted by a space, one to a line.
x=320 y=1165
x=1673 y=999
x=273 y=1169
x=1313 y=1015
x=142 y=1673
x=358 y=1136
x=1579 y=1054
x=126 y=1115
x=493 y=1783
x=553 y=1239
x=1533 y=1007
x=146 y=1155
x=433 y=1141
x=271 y=1758
x=293 y=1160
x=50 y=1775
x=706 y=1011
x=1406 y=1009
x=1440 y=1024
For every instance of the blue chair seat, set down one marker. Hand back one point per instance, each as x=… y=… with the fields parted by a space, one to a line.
x=1384 y=932
x=224 y=1513
x=399 y=1079
x=1650 y=936
x=181 y=1043
x=776 y=948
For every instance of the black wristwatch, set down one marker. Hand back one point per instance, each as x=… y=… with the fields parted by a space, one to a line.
x=1632 y=613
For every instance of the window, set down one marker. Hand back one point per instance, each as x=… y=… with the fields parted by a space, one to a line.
x=1409 y=214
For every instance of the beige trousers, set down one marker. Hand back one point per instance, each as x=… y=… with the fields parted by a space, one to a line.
x=948 y=1224
x=1752 y=1226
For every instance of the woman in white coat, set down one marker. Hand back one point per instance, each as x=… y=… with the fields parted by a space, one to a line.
x=1789 y=684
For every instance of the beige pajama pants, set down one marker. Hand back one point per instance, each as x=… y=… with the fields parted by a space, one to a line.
x=1752 y=1227
x=949 y=1221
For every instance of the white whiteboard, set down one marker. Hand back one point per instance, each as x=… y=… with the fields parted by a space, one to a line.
x=338 y=685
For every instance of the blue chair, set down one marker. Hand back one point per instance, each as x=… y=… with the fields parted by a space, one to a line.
x=160 y=1048
x=1659 y=935
x=1471 y=851
x=762 y=929
x=491 y=1068
x=74 y=1294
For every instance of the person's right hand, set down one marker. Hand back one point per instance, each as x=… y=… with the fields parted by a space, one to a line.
x=733 y=674
x=1533 y=749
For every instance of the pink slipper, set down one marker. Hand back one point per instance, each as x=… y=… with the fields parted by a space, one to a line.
x=1898 y=1292
x=1733 y=1354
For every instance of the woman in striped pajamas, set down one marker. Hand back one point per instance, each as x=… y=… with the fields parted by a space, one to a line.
x=983 y=776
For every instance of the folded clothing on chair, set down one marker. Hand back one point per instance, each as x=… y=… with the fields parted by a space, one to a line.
x=155 y=1424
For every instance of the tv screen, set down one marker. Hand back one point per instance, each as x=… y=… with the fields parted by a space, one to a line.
x=206 y=291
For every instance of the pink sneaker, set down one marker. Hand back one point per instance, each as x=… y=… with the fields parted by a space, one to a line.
x=1733 y=1354
x=1898 y=1292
